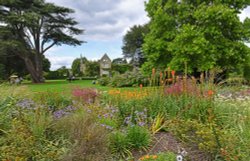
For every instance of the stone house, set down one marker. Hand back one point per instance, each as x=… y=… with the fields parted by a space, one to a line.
x=105 y=66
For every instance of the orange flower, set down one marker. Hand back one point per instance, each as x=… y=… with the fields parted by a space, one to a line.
x=210 y=92
x=154 y=156
x=147 y=156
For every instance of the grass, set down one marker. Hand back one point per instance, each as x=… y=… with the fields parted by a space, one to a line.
x=61 y=85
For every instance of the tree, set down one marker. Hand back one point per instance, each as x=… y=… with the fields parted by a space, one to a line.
x=46 y=65
x=133 y=40
x=29 y=28
x=76 y=65
x=119 y=61
x=203 y=34
x=93 y=68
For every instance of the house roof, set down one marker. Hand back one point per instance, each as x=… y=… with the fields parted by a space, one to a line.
x=105 y=56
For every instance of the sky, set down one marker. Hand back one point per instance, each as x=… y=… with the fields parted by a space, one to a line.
x=105 y=22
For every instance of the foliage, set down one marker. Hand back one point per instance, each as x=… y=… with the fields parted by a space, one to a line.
x=30 y=28
x=197 y=33
x=128 y=79
x=89 y=139
x=133 y=40
x=27 y=136
x=246 y=69
x=93 y=68
x=247 y=72
x=121 y=68
x=211 y=122
x=53 y=100
x=85 y=95
x=104 y=81
x=53 y=75
x=2 y=71
x=119 y=61
x=76 y=66
x=139 y=137
x=119 y=145
x=159 y=157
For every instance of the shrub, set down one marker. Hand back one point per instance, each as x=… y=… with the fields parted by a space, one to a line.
x=246 y=72
x=128 y=79
x=27 y=138
x=88 y=138
x=139 y=137
x=104 y=81
x=119 y=145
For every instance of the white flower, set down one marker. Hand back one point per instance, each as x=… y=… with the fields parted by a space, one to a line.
x=179 y=158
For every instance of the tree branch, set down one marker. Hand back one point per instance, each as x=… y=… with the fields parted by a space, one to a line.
x=50 y=46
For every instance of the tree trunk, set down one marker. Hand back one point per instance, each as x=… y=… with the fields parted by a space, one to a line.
x=39 y=66
x=35 y=72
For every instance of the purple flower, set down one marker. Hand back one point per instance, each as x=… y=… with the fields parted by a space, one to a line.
x=141 y=123
x=63 y=112
x=26 y=104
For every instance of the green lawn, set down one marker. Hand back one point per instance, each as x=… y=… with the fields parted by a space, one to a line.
x=61 y=85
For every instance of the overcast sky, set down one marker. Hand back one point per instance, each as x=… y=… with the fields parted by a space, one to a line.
x=105 y=22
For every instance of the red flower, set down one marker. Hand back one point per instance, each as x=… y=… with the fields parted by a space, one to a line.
x=173 y=73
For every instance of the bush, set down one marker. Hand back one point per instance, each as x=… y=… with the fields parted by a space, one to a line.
x=246 y=72
x=139 y=137
x=104 y=81
x=128 y=79
x=51 y=75
x=26 y=138
x=88 y=138
x=119 y=145
x=121 y=68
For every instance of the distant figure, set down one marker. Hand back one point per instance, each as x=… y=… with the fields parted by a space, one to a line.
x=93 y=82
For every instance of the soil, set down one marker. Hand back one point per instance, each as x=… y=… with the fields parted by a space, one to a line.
x=166 y=142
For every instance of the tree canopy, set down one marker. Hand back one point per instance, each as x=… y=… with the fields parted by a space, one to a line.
x=29 y=28
x=133 y=40
x=203 y=34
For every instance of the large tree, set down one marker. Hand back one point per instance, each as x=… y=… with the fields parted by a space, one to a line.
x=203 y=34
x=133 y=40
x=29 y=28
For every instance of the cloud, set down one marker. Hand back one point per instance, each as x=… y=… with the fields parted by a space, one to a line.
x=107 y=19
x=59 y=61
